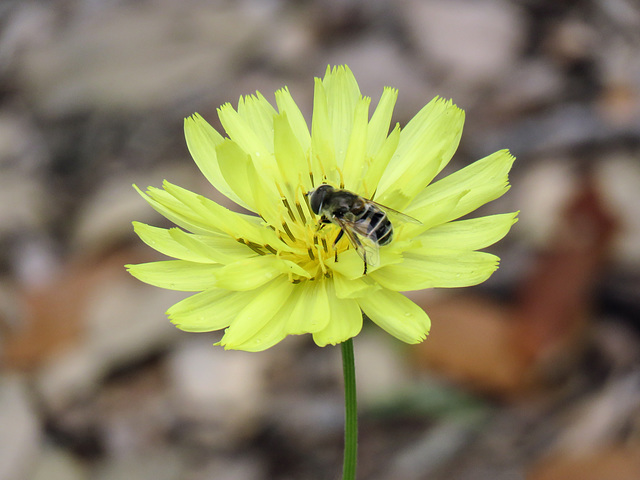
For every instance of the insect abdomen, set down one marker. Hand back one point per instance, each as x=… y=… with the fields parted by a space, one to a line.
x=379 y=228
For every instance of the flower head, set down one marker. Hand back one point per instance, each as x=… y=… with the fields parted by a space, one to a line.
x=280 y=271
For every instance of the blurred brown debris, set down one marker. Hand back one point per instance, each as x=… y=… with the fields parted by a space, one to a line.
x=615 y=463
x=55 y=312
x=509 y=350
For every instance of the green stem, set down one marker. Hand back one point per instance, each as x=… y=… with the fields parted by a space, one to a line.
x=351 y=412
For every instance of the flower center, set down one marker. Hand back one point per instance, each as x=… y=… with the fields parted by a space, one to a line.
x=312 y=243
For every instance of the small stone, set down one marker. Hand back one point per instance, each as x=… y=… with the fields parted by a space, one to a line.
x=20 y=434
x=471 y=41
x=218 y=387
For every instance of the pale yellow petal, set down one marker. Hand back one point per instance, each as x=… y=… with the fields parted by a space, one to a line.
x=242 y=133
x=202 y=140
x=379 y=163
x=426 y=145
x=176 y=274
x=352 y=288
x=344 y=320
x=207 y=311
x=266 y=302
x=355 y=162
x=483 y=181
x=172 y=209
x=258 y=114
x=322 y=157
x=440 y=268
x=471 y=234
x=343 y=95
x=396 y=314
x=254 y=272
x=161 y=240
x=311 y=306
x=288 y=106
x=381 y=120
x=291 y=159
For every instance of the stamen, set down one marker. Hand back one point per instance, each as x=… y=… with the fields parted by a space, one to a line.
x=253 y=246
x=271 y=249
x=286 y=204
x=324 y=173
x=311 y=255
x=288 y=231
x=324 y=245
x=308 y=158
x=302 y=216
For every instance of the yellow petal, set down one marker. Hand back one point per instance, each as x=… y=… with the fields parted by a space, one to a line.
x=234 y=165
x=169 y=207
x=345 y=288
x=343 y=95
x=242 y=133
x=379 y=163
x=440 y=268
x=380 y=121
x=202 y=140
x=323 y=160
x=254 y=272
x=176 y=274
x=355 y=161
x=426 y=145
x=288 y=106
x=266 y=302
x=207 y=311
x=258 y=114
x=310 y=311
x=396 y=314
x=483 y=181
x=273 y=332
x=344 y=320
x=161 y=240
x=234 y=224
x=290 y=157
x=471 y=234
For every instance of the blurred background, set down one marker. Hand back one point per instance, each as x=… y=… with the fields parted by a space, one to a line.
x=534 y=374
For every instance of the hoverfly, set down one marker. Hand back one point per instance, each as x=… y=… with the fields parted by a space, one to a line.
x=364 y=221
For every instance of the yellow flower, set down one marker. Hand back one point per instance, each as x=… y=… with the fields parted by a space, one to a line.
x=277 y=272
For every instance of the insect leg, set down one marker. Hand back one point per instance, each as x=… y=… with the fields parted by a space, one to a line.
x=335 y=242
x=361 y=250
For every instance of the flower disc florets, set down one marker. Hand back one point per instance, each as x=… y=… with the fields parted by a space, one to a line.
x=278 y=271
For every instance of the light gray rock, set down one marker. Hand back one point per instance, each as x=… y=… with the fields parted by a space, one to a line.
x=382 y=370
x=619 y=180
x=222 y=389
x=20 y=435
x=58 y=464
x=125 y=321
x=153 y=465
x=131 y=58
x=473 y=42
x=544 y=189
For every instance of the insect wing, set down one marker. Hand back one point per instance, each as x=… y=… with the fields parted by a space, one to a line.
x=396 y=214
x=367 y=248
